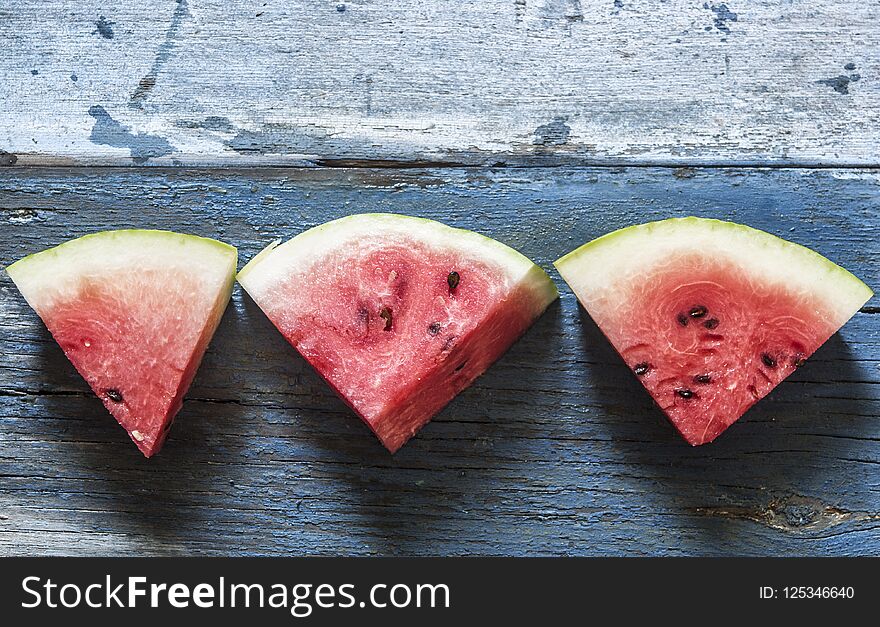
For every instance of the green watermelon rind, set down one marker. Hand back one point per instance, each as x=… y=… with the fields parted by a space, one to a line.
x=530 y=274
x=22 y=265
x=847 y=286
x=33 y=266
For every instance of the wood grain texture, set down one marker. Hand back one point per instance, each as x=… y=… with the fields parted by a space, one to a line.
x=489 y=82
x=556 y=450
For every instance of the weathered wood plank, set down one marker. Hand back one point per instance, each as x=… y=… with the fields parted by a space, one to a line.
x=556 y=450
x=496 y=81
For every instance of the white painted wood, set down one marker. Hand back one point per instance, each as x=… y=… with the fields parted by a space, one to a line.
x=589 y=81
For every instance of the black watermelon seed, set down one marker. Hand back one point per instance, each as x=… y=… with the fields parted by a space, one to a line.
x=768 y=360
x=702 y=378
x=385 y=314
x=453 y=279
x=684 y=393
x=799 y=361
x=682 y=319
x=114 y=395
x=434 y=328
x=698 y=312
x=711 y=323
x=461 y=365
x=641 y=368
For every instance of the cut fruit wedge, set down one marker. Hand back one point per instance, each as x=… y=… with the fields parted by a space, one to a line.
x=133 y=310
x=710 y=315
x=397 y=314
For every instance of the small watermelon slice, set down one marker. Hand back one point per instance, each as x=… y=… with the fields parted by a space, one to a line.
x=133 y=310
x=710 y=315
x=397 y=314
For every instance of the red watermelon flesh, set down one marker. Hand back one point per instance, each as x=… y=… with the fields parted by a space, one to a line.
x=133 y=311
x=397 y=314
x=710 y=316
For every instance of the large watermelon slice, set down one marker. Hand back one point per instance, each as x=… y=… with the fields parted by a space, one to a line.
x=398 y=314
x=710 y=315
x=133 y=310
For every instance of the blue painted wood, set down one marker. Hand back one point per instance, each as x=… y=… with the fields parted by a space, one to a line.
x=556 y=450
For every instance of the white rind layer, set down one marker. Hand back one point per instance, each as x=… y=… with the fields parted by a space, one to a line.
x=273 y=264
x=595 y=269
x=54 y=275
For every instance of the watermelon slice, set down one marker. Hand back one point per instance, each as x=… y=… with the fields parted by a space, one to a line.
x=397 y=314
x=710 y=315
x=134 y=311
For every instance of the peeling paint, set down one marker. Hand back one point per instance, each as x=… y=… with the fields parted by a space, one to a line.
x=272 y=139
x=103 y=27
x=210 y=123
x=840 y=83
x=555 y=133
x=7 y=158
x=319 y=145
x=459 y=107
x=723 y=15
x=109 y=132
x=163 y=54
x=285 y=139
x=217 y=123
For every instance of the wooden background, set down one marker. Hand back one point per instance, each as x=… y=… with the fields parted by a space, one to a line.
x=541 y=123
